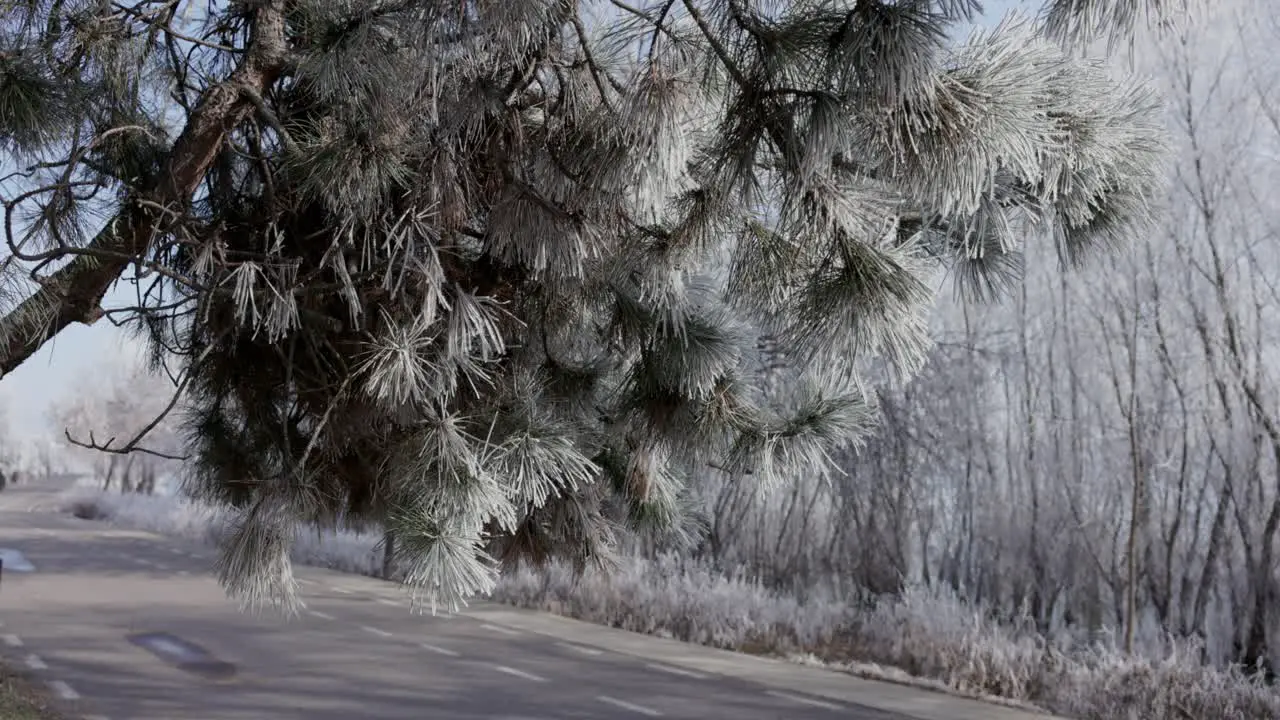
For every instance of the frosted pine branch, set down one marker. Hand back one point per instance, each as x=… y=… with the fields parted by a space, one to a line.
x=488 y=274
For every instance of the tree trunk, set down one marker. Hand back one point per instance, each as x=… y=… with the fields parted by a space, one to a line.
x=388 y=555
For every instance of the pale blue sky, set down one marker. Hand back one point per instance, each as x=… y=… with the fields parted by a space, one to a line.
x=79 y=357
x=86 y=357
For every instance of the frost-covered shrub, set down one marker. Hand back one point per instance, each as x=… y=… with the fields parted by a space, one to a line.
x=1105 y=684
x=180 y=517
x=673 y=598
x=167 y=515
x=933 y=634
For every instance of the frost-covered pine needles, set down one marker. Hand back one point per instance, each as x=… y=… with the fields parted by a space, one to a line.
x=489 y=275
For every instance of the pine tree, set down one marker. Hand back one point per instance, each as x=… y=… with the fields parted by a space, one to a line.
x=488 y=274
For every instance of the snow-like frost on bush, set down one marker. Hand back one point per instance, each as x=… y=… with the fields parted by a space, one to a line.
x=168 y=515
x=671 y=597
x=181 y=517
x=932 y=633
x=1105 y=684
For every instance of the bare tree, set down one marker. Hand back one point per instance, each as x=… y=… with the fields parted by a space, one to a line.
x=98 y=420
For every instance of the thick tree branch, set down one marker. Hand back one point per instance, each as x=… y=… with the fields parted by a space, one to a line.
x=74 y=293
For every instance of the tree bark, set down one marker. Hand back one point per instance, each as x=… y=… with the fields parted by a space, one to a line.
x=74 y=292
x=388 y=555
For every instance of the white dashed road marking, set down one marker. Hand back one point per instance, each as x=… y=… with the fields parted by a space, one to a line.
x=580 y=648
x=495 y=628
x=389 y=601
x=439 y=650
x=13 y=641
x=519 y=673
x=63 y=690
x=804 y=700
x=676 y=671
x=35 y=663
x=341 y=590
x=628 y=706
x=376 y=631
x=184 y=573
x=321 y=615
x=160 y=566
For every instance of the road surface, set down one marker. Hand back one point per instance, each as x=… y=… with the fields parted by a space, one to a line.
x=85 y=622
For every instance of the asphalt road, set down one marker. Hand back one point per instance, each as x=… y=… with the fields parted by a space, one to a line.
x=357 y=651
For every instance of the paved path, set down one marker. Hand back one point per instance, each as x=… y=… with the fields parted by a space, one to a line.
x=357 y=652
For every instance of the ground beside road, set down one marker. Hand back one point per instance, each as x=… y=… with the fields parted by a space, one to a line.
x=23 y=699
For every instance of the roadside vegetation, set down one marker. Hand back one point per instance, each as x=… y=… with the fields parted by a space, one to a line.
x=22 y=699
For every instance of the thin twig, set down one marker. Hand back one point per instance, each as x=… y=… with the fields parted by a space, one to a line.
x=133 y=445
x=129 y=448
x=596 y=71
